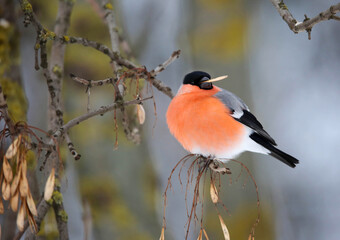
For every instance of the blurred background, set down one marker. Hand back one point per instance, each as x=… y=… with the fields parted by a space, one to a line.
x=290 y=83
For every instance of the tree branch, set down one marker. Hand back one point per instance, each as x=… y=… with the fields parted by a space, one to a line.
x=57 y=64
x=55 y=110
x=102 y=110
x=151 y=75
x=4 y=112
x=71 y=148
x=113 y=55
x=161 y=67
x=307 y=23
x=110 y=20
x=91 y=83
x=159 y=84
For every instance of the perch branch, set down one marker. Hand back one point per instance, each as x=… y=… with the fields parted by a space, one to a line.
x=307 y=23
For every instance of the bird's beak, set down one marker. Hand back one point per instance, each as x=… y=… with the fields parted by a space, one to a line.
x=217 y=79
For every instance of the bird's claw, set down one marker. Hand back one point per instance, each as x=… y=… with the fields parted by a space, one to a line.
x=216 y=168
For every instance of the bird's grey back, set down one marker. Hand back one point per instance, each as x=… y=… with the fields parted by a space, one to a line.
x=233 y=102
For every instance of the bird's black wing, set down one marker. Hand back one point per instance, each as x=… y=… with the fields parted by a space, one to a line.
x=240 y=112
x=273 y=151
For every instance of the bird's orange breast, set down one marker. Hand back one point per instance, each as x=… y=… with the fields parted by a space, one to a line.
x=202 y=123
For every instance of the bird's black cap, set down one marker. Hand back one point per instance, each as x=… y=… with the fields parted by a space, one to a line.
x=198 y=78
x=195 y=77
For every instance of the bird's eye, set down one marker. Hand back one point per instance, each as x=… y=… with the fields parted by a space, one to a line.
x=205 y=79
x=206 y=85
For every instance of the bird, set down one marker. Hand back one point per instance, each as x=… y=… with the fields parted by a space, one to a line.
x=215 y=123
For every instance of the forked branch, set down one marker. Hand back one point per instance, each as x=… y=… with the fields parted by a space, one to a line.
x=307 y=23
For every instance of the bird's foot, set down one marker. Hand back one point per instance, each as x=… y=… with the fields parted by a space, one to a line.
x=215 y=166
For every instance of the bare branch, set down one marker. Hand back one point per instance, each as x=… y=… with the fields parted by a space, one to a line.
x=132 y=135
x=163 y=66
x=57 y=64
x=4 y=112
x=61 y=217
x=110 y=19
x=92 y=82
x=153 y=73
x=307 y=23
x=162 y=87
x=102 y=110
x=55 y=110
x=70 y=146
x=114 y=56
x=30 y=16
x=159 y=84
x=285 y=14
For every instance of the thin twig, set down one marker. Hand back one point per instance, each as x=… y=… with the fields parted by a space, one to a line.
x=308 y=23
x=92 y=82
x=165 y=64
x=70 y=146
x=131 y=135
x=30 y=16
x=100 y=111
x=110 y=19
x=4 y=112
x=114 y=56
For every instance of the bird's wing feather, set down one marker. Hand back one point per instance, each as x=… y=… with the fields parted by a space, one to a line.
x=240 y=112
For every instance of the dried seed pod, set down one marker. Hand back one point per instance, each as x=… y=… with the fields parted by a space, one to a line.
x=14 y=201
x=3 y=186
x=23 y=167
x=140 y=113
x=8 y=173
x=6 y=190
x=49 y=186
x=162 y=234
x=32 y=223
x=21 y=216
x=15 y=183
x=13 y=148
x=213 y=193
x=23 y=186
x=224 y=229
x=1 y=207
x=31 y=204
x=205 y=234
x=200 y=235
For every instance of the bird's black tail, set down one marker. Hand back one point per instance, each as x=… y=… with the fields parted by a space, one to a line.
x=283 y=157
